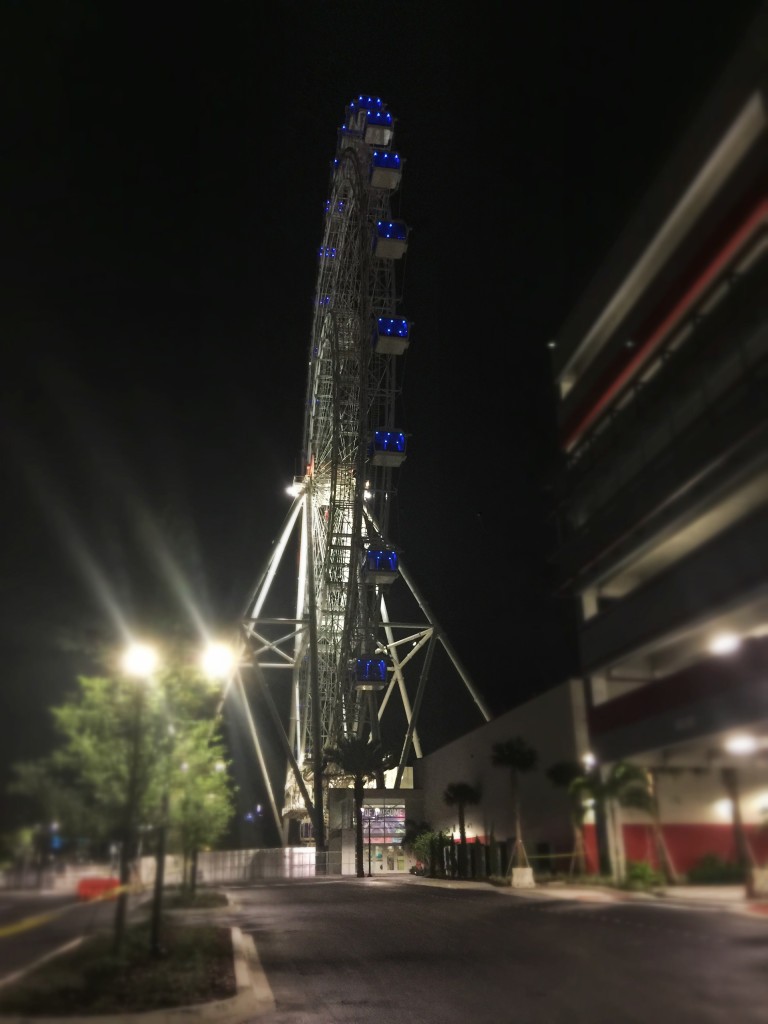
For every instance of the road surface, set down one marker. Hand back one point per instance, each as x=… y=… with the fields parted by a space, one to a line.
x=363 y=951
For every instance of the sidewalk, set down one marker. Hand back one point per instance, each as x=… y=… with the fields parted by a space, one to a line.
x=728 y=898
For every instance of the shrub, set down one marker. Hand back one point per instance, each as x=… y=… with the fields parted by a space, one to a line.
x=713 y=870
x=428 y=848
x=640 y=875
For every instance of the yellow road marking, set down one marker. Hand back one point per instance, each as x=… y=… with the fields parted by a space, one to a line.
x=39 y=919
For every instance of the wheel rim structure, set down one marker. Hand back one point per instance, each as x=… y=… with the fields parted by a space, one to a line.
x=344 y=654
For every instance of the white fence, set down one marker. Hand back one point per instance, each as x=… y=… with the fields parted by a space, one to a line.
x=232 y=867
x=250 y=865
x=217 y=867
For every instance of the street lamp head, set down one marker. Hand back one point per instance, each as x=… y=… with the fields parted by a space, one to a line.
x=218 y=660
x=741 y=745
x=139 y=660
x=725 y=643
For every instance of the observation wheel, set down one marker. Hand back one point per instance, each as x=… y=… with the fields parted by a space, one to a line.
x=345 y=656
x=351 y=400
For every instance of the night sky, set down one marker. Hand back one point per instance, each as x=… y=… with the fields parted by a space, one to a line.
x=164 y=170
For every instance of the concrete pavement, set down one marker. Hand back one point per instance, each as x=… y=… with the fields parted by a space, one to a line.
x=728 y=898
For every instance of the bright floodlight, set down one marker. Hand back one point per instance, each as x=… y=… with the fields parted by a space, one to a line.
x=743 y=744
x=140 y=660
x=724 y=808
x=725 y=643
x=218 y=660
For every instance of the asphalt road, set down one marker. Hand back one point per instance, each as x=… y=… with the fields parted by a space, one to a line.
x=395 y=950
x=59 y=919
x=402 y=949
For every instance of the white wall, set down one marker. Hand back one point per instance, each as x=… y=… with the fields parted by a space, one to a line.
x=554 y=723
x=688 y=798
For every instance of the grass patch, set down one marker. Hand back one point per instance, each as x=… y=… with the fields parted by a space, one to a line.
x=196 y=966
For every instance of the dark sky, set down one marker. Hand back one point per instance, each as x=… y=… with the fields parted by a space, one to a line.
x=164 y=169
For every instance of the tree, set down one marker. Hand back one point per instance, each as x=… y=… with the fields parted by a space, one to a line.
x=203 y=804
x=51 y=796
x=628 y=785
x=642 y=794
x=730 y=779
x=414 y=830
x=109 y=729
x=460 y=795
x=358 y=760
x=120 y=743
x=564 y=774
x=429 y=847
x=518 y=757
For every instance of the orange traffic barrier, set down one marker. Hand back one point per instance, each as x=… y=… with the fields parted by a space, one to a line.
x=97 y=888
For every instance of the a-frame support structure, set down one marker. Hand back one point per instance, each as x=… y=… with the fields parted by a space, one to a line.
x=286 y=646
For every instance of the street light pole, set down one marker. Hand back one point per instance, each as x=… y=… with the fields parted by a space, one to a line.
x=369 y=846
x=162 y=833
x=138 y=662
x=157 y=900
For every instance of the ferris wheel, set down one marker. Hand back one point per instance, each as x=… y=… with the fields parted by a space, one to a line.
x=347 y=661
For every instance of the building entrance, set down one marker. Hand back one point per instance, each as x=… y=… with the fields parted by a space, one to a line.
x=383 y=831
x=384 y=859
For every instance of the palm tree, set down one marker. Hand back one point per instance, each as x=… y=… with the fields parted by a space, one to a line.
x=628 y=785
x=359 y=760
x=564 y=774
x=730 y=780
x=460 y=795
x=642 y=794
x=519 y=757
